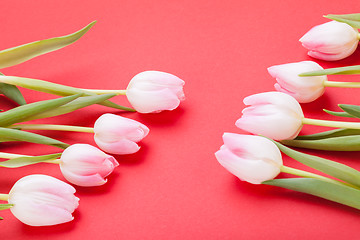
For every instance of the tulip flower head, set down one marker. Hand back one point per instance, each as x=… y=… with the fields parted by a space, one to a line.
x=240 y=155
x=275 y=115
x=303 y=89
x=331 y=41
x=118 y=135
x=41 y=200
x=154 y=91
x=85 y=165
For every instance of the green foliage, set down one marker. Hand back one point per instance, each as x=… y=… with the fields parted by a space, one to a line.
x=335 y=192
x=16 y=55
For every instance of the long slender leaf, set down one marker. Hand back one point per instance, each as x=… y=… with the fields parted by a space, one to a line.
x=20 y=113
x=329 y=134
x=13 y=56
x=332 y=168
x=334 y=71
x=339 y=114
x=54 y=88
x=343 y=143
x=351 y=19
x=351 y=109
x=19 y=135
x=337 y=193
x=78 y=103
x=25 y=161
x=12 y=92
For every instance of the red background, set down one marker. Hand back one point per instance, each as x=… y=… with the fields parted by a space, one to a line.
x=174 y=188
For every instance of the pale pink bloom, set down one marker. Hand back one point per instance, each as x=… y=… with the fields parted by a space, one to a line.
x=303 y=89
x=41 y=200
x=85 y=165
x=274 y=115
x=118 y=135
x=154 y=91
x=331 y=41
x=251 y=158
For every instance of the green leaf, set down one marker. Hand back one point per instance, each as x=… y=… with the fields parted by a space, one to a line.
x=23 y=136
x=78 y=103
x=342 y=143
x=333 y=71
x=25 y=161
x=54 y=88
x=20 y=113
x=13 y=56
x=334 y=192
x=329 y=134
x=5 y=206
x=351 y=19
x=332 y=168
x=339 y=114
x=351 y=109
x=12 y=92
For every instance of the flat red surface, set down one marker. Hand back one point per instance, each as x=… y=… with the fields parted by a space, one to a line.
x=174 y=188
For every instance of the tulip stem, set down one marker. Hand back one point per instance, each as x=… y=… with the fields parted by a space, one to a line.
x=11 y=155
x=4 y=197
x=52 y=127
x=342 y=84
x=55 y=161
x=99 y=91
x=302 y=173
x=335 y=124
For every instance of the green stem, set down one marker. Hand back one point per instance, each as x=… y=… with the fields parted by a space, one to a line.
x=305 y=174
x=99 y=91
x=342 y=84
x=334 y=124
x=52 y=127
x=4 y=197
x=11 y=155
x=55 y=161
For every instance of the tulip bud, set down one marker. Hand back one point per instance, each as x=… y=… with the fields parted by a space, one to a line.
x=153 y=91
x=41 y=200
x=303 y=89
x=275 y=115
x=85 y=165
x=118 y=135
x=240 y=155
x=331 y=41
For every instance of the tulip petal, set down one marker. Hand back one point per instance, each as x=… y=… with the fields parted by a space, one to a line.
x=303 y=89
x=331 y=41
x=123 y=146
x=270 y=121
x=41 y=200
x=276 y=98
x=147 y=102
x=334 y=57
x=244 y=145
x=83 y=180
x=85 y=165
x=253 y=171
x=154 y=91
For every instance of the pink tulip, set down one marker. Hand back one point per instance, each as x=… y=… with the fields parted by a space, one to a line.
x=41 y=200
x=303 y=89
x=253 y=159
x=118 y=135
x=331 y=41
x=153 y=91
x=273 y=114
x=85 y=165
